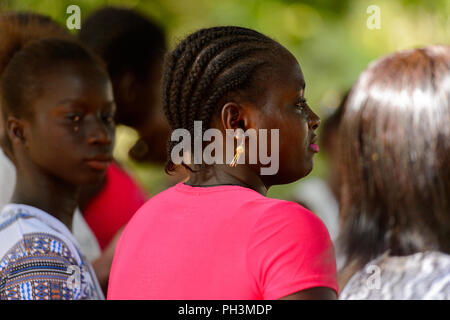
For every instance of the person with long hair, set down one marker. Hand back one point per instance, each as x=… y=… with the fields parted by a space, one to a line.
x=395 y=171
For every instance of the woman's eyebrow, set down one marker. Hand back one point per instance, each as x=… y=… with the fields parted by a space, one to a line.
x=82 y=103
x=69 y=101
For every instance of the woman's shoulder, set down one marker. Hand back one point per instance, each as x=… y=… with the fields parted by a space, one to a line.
x=24 y=233
x=285 y=210
x=38 y=258
x=289 y=221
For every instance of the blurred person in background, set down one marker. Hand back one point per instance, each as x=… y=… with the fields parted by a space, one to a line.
x=132 y=48
x=395 y=170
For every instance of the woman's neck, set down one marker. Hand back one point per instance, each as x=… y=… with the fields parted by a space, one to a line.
x=224 y=175
x=50 y=194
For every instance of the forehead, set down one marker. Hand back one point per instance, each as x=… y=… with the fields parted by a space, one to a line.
x=72 y=81
x=287 y=77
x=76 y=74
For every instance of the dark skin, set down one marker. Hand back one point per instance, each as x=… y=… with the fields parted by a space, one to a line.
x=278 y=109
x=66 y=142
x=140 y=107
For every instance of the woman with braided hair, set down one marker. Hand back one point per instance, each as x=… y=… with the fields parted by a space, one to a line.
x=217 y=235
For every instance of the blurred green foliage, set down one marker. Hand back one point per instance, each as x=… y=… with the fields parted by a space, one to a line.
x=329 y=38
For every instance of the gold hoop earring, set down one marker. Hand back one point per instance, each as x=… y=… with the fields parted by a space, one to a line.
x=239 y=151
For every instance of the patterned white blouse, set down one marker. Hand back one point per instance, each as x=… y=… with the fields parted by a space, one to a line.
x=40 y=259
x=421 y=276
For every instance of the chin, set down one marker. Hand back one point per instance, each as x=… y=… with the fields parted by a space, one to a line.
x=91 y=179
x=302 y=172
x=309 y=168
x=285 y=177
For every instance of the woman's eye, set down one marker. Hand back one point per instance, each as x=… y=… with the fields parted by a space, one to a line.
x=108 y=118
x=75 y=118
x=301 y=103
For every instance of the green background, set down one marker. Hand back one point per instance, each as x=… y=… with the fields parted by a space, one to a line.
x=329 y=38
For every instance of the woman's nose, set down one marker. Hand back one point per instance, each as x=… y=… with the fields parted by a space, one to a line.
x=99 y=134
x=314 y=121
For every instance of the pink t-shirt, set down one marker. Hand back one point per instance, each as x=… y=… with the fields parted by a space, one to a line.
x=224 y=242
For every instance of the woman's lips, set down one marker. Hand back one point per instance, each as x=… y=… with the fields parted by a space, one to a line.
x=314 y=147
x=98 y=164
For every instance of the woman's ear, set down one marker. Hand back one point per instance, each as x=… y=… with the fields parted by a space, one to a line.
x=234 y=116
x=16 y=131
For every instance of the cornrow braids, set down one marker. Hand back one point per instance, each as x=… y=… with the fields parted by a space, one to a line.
x=171 y=60
x=190 y=49
x=199 y=67
x=206 y=67
x=217 y=66
x=197 y=40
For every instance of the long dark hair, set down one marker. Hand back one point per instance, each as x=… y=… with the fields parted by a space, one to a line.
x=395 y=157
